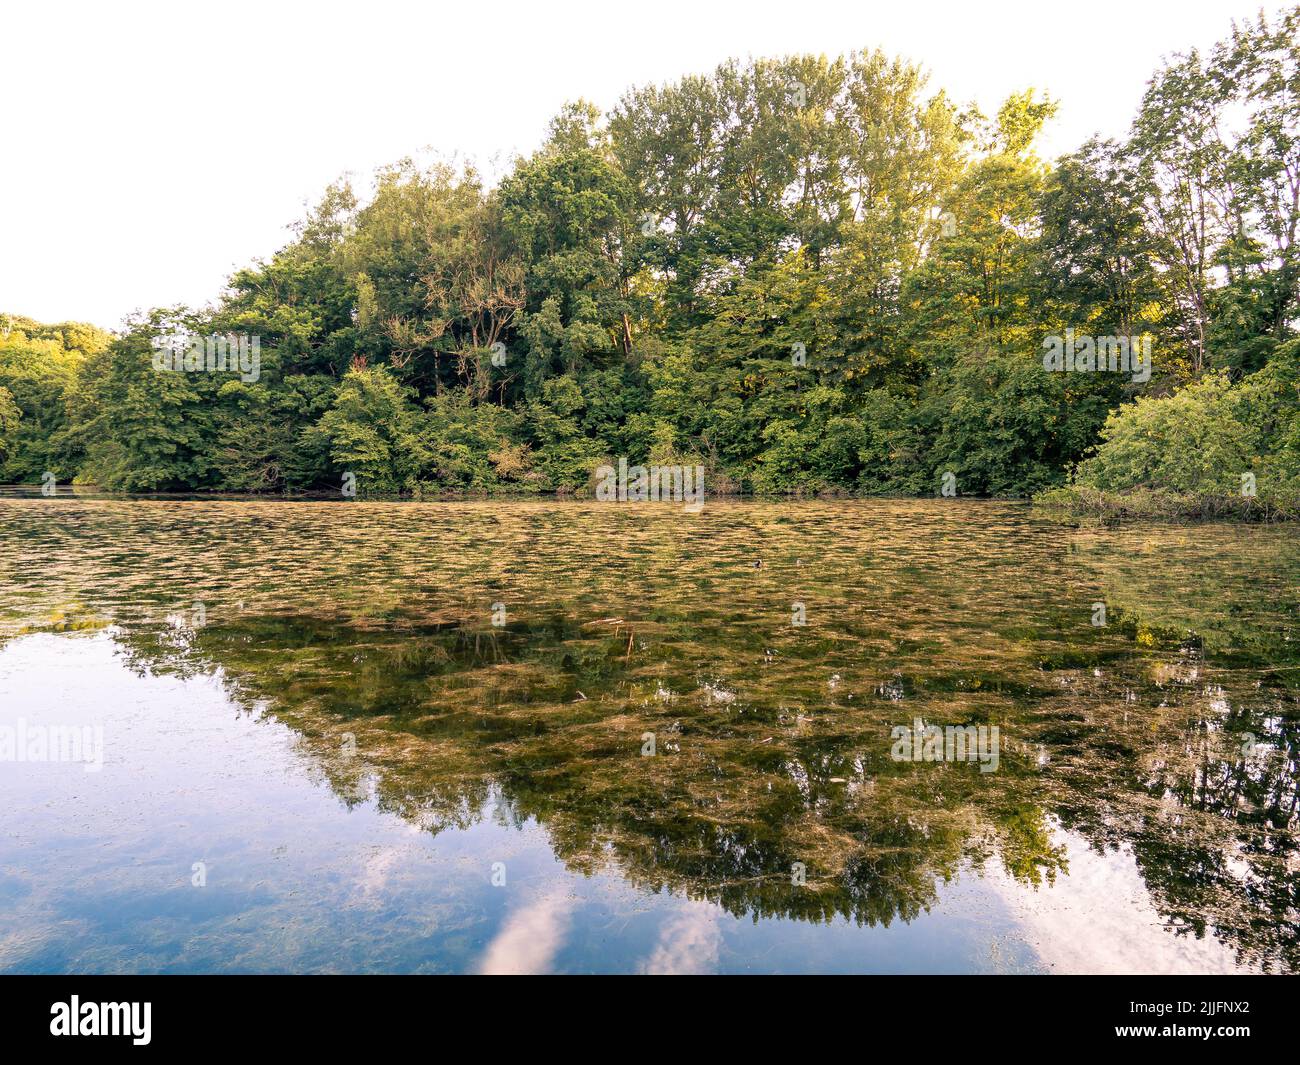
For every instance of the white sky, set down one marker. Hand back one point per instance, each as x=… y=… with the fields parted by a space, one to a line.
x=149 y=149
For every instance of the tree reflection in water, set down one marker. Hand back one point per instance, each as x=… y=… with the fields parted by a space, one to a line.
x=1170 y=731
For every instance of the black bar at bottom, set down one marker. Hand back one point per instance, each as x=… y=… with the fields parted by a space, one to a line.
x=333 y=1013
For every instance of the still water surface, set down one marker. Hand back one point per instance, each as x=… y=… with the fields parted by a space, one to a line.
x=332 y=730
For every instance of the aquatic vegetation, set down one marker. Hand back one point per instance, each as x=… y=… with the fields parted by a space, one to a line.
x=433 y=656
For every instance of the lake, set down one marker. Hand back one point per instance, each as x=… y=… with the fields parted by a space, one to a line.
x=267 y=736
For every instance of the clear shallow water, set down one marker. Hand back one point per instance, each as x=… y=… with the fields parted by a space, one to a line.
x=353 y=749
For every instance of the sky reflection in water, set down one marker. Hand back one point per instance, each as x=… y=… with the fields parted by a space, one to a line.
x=349 y=744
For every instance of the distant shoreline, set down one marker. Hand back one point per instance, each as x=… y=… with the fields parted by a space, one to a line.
x=1057 y=504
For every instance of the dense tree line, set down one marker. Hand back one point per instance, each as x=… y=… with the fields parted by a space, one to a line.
x=805 y=274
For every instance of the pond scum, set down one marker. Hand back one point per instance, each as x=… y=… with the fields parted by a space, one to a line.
x=1170 y=731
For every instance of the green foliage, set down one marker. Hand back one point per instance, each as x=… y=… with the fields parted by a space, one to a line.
x=145 y=431
x=372 y=430
x=10 y=418
x=475 y=447
x=1204 y=438
x=38 y=366
x=566 y=456
x=806 y=274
